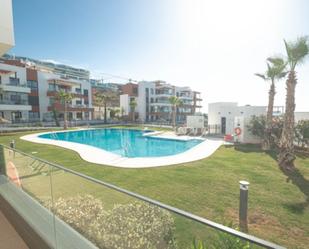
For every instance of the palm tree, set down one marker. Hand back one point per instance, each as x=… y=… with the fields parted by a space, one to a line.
x=103 y=99
x=296 y=53
x=65 y=98
x=133 y=105
x=174 y=101
x=274 y=72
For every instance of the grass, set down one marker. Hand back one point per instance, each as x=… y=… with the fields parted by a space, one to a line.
x=278 y=204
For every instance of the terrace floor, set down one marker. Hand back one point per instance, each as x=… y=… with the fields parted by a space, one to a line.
x=8 y=236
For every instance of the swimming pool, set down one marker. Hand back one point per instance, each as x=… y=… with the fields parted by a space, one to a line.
x=125 y=142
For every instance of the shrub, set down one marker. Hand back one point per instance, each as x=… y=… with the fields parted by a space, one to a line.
x=132 y=226
x=138 y=225
x=302 y=133
x=257 y=126
x=84 y=213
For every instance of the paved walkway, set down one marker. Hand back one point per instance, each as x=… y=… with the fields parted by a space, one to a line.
x=9 y=238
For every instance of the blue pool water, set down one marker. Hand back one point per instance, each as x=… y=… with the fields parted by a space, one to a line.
x=125 y=142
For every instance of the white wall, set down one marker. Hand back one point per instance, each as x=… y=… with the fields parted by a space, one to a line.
x=195 y=121
x=21 y=73
x=43 y=88
x=6 y=26
x=141 y=99
x=222 y=109
x=246 y=136
x=124 y=103
x=230 y=110
x=301 y=116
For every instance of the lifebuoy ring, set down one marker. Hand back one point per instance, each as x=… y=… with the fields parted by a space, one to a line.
x=237 y=131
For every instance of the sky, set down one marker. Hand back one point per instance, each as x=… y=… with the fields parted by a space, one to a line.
x=214 y=47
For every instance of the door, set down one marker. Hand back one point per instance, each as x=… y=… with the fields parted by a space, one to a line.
x=16 y=116
x=223 y=125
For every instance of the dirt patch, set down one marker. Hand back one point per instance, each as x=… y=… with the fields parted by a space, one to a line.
x=268 y=227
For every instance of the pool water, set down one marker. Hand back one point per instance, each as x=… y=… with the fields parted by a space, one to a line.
x=125 y=142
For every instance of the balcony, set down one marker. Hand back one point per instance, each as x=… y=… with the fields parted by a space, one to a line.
x=54 y=93
x=17 y=105
x=8 y=236
x=186 y=97
x=70 y=108
x=67 y=209
x=163 y=95
x=14 y=85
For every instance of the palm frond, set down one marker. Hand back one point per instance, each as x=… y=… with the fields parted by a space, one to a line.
x=282 y=75
x=277 y=68
x=260 y=75
x=297 y=51
x=276 y=61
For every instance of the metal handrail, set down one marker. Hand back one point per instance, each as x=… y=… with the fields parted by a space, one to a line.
x=217 y=226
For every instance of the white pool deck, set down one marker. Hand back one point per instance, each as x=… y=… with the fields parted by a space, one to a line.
x=99 y=156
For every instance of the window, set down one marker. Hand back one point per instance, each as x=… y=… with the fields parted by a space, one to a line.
x=79 y=115
x=16 y=98
x=151 y=90
x=85 y=92
x=51 y=87
x=32 y=84
x=33 y=100
x=34 y=115
x=51 y=100
x=78 y=102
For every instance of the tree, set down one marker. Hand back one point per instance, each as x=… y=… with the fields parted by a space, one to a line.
x=274 y=72
x=103 y=99
x=65 y=98
x=175 y=102
x=133 y=105
x=296 y=54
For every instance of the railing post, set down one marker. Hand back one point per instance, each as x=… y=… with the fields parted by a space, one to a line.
x=243 y=205
x=2 y=161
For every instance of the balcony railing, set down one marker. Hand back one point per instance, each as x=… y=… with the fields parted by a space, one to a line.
x=14 y=81
x=71 y=210
x=16 y=102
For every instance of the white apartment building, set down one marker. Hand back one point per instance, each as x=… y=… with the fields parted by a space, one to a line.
x=14 y=105
x=80 y=108
x=6 y=26
x=153 y=103
x=27 y=94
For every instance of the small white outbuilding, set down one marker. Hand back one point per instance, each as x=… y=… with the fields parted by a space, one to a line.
x=224 y=117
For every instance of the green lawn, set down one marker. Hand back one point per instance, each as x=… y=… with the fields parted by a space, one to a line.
x=278 y=208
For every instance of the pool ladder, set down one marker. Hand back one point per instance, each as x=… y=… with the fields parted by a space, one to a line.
x=127 y=148
x=54 y=136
